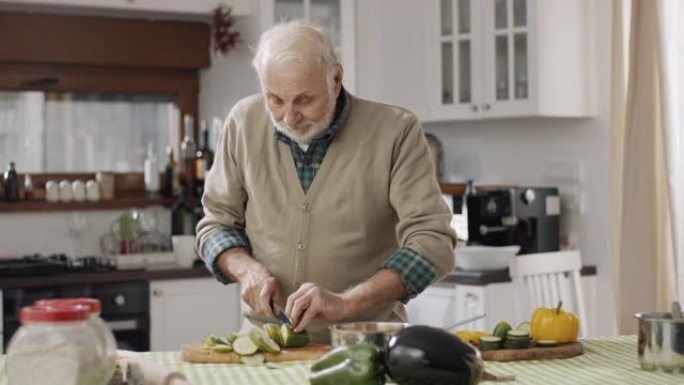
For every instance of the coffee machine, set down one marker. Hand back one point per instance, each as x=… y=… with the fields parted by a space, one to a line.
x=524 y=216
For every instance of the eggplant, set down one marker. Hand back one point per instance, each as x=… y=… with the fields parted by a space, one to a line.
x=424 y=355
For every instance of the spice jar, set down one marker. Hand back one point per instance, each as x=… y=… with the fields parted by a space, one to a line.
x=55 y=346
x=107 y=341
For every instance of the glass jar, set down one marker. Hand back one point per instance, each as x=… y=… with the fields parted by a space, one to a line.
x=55 y=346
x=105 y=335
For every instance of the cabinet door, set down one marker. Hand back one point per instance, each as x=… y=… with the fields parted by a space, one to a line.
x=436 y=306
x=187 y=310
x=336 y=16
x=507 y=28
x=470 y=301
x=455 y=72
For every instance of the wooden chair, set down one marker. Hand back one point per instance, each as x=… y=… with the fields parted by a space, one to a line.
x=548 y=278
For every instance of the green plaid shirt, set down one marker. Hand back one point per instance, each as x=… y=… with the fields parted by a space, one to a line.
x=416 y=271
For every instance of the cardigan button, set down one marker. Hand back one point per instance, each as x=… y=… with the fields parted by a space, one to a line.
x=301 y=246
x=306 y=208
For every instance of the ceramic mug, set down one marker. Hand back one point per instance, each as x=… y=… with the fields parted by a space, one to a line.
x=184 y=249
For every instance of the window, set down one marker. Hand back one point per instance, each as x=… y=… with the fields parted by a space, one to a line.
x=57 y=132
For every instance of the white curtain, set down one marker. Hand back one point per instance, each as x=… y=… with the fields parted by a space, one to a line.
x=670 y=14
x=647 y=156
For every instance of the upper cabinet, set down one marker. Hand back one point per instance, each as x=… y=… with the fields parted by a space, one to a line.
x=182 y=9
x=478 y=59
x=336 y=16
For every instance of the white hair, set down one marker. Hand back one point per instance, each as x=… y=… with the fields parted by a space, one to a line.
x=296 y=43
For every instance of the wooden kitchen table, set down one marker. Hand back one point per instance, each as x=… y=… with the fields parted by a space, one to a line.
x=607 y=360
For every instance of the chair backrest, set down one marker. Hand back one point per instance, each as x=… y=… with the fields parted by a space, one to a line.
x=547 y=278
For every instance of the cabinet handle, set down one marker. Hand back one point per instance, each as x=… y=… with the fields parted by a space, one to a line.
x=473 y=107
x=157 y=293
x=471 y=296
x=486 y=107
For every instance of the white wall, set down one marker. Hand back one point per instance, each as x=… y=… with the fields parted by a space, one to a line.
x=520 y=151
x=230 y=77
x=50 y=232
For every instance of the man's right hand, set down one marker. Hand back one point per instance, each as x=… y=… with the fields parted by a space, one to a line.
x=258 y=286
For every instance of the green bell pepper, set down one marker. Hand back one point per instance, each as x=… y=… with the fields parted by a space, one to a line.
x=349 y=365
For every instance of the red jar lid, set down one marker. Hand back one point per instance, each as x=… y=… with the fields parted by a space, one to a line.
x=54 y=314
x=92 y=304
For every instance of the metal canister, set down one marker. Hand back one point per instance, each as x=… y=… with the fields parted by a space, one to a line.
x=661 y=342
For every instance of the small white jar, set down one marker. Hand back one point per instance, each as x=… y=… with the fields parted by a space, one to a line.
x=92 y=190
x=66 y=194
x=78 y=190
x=51 y=191
x=55 y=346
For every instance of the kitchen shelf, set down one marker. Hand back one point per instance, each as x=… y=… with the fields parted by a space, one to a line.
x=122 y=202
x=457 y=189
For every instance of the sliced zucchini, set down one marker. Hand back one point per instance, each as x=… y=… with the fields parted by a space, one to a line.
x=518 y=334
x=244 y=346
x=273 y=332
x=263 y=341
x=524 y=326
x=547 y=343
x=254 y=359
x=487 y=343
x=222 y=348
x=501 y=330
x=292 y=339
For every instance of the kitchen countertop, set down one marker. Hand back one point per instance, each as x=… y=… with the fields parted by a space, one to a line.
x=462 y=277
x=481 y=278
x=155 y=274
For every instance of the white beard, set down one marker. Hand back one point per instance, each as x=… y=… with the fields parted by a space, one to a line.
x=306 y=130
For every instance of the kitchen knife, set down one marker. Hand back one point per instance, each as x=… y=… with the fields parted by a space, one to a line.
x=280 y=314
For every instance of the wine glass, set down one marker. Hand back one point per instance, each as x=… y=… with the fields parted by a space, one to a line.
x=76 y=225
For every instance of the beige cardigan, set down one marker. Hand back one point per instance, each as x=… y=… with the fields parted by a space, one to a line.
x=374 y=192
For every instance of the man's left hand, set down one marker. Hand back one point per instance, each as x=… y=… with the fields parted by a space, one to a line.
x=311 y=301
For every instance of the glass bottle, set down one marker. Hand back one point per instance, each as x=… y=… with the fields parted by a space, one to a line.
x=168 y=188
x=183 y=215
x=151 y=171
x=11 y=183
x=28 y=187
x=205 y=158
x=188 y=154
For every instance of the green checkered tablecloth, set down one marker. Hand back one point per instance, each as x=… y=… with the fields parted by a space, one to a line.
x=607 y=360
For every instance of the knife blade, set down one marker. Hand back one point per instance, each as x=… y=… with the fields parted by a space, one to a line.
x=279 y=313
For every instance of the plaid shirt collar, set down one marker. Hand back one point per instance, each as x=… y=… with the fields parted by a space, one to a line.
x=342 y=107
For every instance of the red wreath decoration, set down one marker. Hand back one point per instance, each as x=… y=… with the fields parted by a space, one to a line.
x=222 y=23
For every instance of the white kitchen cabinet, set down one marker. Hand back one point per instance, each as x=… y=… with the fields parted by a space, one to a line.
x=445 y=304
x=477 y=59
x=508 y=58
x=336 y=16
x=181 y=8
x=188 y=310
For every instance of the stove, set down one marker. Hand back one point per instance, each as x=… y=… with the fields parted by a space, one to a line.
x=39 y=264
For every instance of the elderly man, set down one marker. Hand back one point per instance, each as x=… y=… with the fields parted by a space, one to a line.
x=319 y=201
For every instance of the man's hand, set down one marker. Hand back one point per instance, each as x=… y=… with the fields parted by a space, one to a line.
x=258 y=286
x=312 y=301
x=259 y=290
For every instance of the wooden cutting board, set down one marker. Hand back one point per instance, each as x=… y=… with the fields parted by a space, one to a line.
x=195 y=353
x=560 y=351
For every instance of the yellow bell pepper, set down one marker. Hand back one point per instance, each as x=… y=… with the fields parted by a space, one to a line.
x=554 y=324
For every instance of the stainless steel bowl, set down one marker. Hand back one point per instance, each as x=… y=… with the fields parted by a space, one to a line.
x=661 y=342
x=376 y=333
